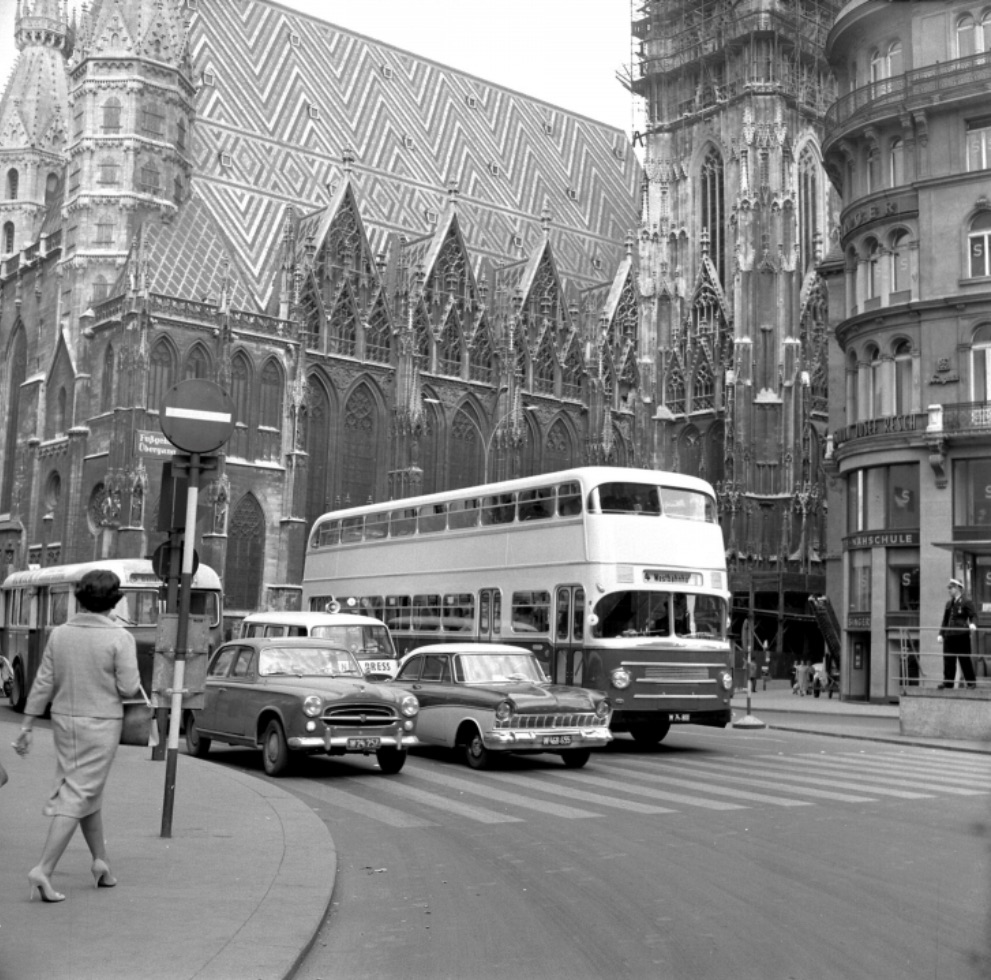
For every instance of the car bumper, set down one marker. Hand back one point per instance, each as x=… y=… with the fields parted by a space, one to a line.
x=338 y=742
x=546 y=739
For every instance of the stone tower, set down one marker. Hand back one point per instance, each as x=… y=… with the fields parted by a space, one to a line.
x=33 y=123
x=736 y=214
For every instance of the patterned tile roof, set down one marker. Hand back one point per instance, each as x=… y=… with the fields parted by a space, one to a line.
x=283 y=94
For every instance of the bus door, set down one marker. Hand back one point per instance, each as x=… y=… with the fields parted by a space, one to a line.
x=489 y=616
x=569 y=635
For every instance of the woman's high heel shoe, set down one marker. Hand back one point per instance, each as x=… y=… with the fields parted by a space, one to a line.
x=40 y=884
x=102 y=877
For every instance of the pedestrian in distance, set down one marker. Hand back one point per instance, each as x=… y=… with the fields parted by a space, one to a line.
x=958 y=626
x=752 y=671
x=89 y=665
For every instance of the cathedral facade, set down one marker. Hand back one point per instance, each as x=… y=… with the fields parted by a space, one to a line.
x=408 y=279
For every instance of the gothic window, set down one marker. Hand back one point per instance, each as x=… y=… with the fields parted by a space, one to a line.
x=903 y=378
x=711 y=212
x=449 y=349
x=60 y=410
x=17 y=372
x=558 y=448
x=480 y=358
x=104 y=232
x=675 y=394
x=703 y=388
x=378 y=336
x=245 y=566
x=101 y=289
x=421 y=331
x=110 y=112
x=571 y=373
x=149 y=179
x=900 y=278
x=152 y=118
x=316 y=421
x=180 y=134
x=689 y=451
x=241 y=396
x=465 y=464
x=51 y=189
x=808 y=205
x=617 y=455
x=530 y=449
x=109 y=173
x=12 y=181
x=358 y=468
x=8 y=236
x=161 y=373
x=270 y=410
x=197 y=363
x=107 y=380
x=543 y=366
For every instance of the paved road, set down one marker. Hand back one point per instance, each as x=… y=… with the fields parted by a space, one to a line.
x=725 y=854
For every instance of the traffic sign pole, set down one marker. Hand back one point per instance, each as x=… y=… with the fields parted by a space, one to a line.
x=182 y=639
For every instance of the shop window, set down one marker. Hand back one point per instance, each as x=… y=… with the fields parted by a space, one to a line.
x=972 y=493
x=861 y=569
x=903 y=580
x=903 y=495
x=979 y=144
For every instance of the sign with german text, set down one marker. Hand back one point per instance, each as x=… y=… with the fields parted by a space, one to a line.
x=149 y=443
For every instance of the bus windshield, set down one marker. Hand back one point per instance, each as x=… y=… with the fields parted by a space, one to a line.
x=137 y=608
x=641 y=613
x=363 y=641
x=642 y=498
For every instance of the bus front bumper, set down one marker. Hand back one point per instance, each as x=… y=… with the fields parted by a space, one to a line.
x=546 y=739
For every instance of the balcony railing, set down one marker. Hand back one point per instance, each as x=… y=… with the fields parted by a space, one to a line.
x=961 y=77
x=967 y=418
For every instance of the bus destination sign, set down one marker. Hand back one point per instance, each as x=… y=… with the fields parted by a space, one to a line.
x=671 y=576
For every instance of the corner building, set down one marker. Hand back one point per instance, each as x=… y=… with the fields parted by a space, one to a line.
x=736 y=213
x=408 y=279
x=908 y=144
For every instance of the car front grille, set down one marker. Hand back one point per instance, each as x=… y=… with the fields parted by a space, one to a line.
x=360 y=716
x=586 y=719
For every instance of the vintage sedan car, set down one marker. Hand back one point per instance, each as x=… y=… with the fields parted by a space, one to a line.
x=488 y=698
x=287 y=694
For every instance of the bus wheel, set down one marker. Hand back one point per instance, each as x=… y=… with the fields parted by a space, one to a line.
x=391 y=760
x=651 y=733
x=476 y=754
x=196 y=744
x=18 y=693
x=275 y=751
x=576 y=758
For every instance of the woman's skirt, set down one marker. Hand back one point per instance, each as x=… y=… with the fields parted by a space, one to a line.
x=84 y=751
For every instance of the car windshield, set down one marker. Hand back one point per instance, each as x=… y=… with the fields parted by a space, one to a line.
x=363 y=641
x=308 y=662
x=481 y=668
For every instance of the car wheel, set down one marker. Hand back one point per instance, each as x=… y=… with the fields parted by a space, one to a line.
x=275 y=750
x=391 y=760
x=651 y=733
x=476 y=754
x=18 y=693
x=196 y=744
x=576 y=758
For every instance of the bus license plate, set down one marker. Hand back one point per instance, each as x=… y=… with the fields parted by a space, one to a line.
x=364 y=743
x=557 y=740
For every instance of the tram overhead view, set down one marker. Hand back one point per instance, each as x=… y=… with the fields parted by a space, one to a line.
x=614 y=577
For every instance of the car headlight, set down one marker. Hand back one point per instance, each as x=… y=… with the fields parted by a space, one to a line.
x=603 y=708
x=621 y=678
x=409 y=706
x=726 y=679
x=312 y=706
x=503 y=710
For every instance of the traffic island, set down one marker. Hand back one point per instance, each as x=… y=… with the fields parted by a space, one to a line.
x=959 y=714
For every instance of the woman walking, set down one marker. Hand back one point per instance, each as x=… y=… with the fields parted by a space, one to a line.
x=89 y=665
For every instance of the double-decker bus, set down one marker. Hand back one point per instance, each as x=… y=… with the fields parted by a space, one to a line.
x=34 y=602
x=615 y=578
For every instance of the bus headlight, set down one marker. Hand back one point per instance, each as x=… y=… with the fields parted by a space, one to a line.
x=409 y=706
x=621 y=678
x=312 y=706
x=726 y=679
x=503 y=710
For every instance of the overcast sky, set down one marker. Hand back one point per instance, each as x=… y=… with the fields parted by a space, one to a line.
x=566 y=52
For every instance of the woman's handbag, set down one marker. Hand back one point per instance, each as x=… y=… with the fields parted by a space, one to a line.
x=138 y=717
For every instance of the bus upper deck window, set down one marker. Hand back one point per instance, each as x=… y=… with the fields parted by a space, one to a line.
x=536 y=505
x=329 y=533
x=499 y=509
x=689 y=505
x=432 y=518
x=463 y=513
x=376 y=526
x=352 y=529
x=569 y=499
x=402 y=523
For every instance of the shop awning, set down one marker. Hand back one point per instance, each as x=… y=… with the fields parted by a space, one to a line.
x=980 y=546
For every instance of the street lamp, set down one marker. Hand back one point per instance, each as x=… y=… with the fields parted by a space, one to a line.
x=492 y=435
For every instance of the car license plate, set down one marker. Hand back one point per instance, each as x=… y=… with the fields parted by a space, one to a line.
x=557 y=740
x=361 y=744
x=377 y=666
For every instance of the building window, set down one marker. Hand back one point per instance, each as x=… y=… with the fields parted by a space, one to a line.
x=161 y=374
x=903 y=378
x=896 y=162
x=875 y=386
x=101 y=289
x=104 y=233
x=894 y=59
x=979 y=241
x=900 y=278
x=873 y=170
x=152 y=118
x=855 y=511
x=808 y=205
x=107 y=380
x=903 y=495
x=903 y=580
x=8 y=236
x=180 y=134
x=980 y=353
x=110 y=112
x=109 y=173
x=149 y=179
x=966 y=36
x=876 y=66
x=870 y=268
x=861 y=568
x=979 y=144
x=711 y=212
x=13 y=179
x=972 y=493
x=197 y=364
x=245 y=566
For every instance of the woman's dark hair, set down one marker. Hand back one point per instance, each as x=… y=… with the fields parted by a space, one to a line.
x=99 y=590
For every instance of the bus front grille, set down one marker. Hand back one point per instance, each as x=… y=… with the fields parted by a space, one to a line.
x=360 y=716
x=676 y=672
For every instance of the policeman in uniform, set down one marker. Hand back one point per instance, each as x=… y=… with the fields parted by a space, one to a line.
x=959 y=623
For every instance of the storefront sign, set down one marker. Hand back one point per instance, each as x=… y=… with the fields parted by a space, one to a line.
x=880 y=427
x=858 y=621
x=149 y=443
x=882 y=539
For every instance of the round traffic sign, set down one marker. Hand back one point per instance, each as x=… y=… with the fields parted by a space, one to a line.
x=197 y=416
x=162 y=559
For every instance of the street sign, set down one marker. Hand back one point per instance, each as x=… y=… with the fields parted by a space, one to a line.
x=162 y=559
x=197 y=416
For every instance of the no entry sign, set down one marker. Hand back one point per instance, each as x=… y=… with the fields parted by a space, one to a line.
x=197 y=416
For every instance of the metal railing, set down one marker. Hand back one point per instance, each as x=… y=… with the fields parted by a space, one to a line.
x=916 y=660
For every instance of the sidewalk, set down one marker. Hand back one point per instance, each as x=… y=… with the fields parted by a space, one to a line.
x=778 y=708
x=237 y=893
